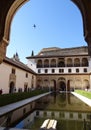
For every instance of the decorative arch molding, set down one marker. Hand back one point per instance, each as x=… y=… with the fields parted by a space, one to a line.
x=8 y=12
x=11 y=13
x=85 y=9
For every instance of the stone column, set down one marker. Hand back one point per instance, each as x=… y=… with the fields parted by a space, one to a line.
x=3 y=46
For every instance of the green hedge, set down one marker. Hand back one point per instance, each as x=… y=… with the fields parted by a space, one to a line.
x=6 y=99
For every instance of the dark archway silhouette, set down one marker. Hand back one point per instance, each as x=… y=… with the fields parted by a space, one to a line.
x=11 y=87
x=62 y=86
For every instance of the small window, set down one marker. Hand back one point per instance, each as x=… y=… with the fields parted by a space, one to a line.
x=77 y=70
x=39 y=71
x=53 y=70
x=61 y=70
x=13 y=71
x=85 y=69
x=26 y=75
x=69 y=70
x=46 y=70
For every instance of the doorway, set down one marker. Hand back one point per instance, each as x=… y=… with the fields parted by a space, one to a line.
x=11 y=88
x=62 y=86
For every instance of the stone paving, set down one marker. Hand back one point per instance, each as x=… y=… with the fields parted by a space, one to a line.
x=82 y=98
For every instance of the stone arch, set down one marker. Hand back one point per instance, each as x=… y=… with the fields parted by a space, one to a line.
x=13 y=9
x=11 y=87
x=61 y=85
x=85 y=84
x=39 y=63
x=9 y=12
x=78 y=84
x=53 y=63
x=46 y=63
x=61 y=62
x=84 y=62
x=69 y=62
x=76 y=62
x=39 y=83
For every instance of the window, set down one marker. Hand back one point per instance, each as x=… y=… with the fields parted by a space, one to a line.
x=46 y=70
x=61 y=70
x=77 y=70
x=69 y=70
x=85 y=69
x=26 y=75
x=39 y=70
x=13 y=71
x=53 y=70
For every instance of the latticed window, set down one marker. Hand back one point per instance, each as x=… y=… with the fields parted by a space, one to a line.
x=77 y=62
x=53 y=70
x=39 y=64
x=61 y=64
x=61 y=70
x=26 y=75
x=84 y=62
x=46 y=63
x=85 y=69
x=69 y=62
x=46 y=70
x=69 y=70
x=77 y=70
x=13 y=71
x=53 y=63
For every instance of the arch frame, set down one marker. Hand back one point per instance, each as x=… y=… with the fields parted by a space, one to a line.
x=10 y=13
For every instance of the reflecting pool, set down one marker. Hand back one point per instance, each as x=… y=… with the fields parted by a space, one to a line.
x=70 y=112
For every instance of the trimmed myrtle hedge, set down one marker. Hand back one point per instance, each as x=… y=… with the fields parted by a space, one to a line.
x=6 y=99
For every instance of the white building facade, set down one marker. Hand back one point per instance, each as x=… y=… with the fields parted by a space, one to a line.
x=16 y=76
x=52 y=68
x=62 y=69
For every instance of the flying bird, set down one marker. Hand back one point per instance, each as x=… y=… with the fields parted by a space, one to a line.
x=34 y=26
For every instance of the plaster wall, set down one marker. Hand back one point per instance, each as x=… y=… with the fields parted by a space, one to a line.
x=32 y=64
x=5 y=71
x=20 y=81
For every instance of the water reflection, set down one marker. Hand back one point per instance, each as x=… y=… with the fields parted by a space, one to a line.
x=70 y=112
x=65 y=101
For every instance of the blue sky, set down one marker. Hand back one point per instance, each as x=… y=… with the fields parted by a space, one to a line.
x=58 y=24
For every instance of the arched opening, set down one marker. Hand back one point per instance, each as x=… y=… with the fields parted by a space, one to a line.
x=39 y=64
x=84 y=62
x=12 y=11
x=62 y=86
x=39 y=84
x=12 y=87
x=69 y=62
x=76 y=62
x=46 y=63
x=53 y=63
x=61 y=64
x=86 y=84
